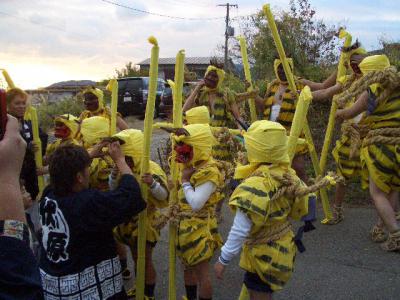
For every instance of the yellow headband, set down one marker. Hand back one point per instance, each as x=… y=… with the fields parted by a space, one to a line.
x=198 y=115
x=220 y=73
x=71 y=122
x=374 y=63
x=200 y=138
x=94 y=129
x=278 y=62
x=98 y=93
x=133 y=144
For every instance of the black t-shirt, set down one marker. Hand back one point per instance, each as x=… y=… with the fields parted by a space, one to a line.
x=79 y=253
x=28 y=171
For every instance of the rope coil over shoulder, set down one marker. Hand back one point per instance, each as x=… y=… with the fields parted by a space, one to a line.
x=389 y=79
x=388 y=136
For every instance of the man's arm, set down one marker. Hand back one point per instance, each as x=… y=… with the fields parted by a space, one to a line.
x=19 y=274
x=108 y=209
x=190 y=101
x=315 y=86
x=12 y=151
x=121 y=124
x=326 y=94
x=357 y=108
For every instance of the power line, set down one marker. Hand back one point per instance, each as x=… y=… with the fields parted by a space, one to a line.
x=161 y=15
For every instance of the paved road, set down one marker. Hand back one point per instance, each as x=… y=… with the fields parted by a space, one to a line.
x=340 y=261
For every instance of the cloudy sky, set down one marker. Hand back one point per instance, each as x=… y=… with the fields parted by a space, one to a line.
x=45 y=41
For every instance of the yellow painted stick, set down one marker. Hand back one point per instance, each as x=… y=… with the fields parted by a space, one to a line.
x=331 y=123
x=244 y=293
x=177 y=88
x=292 y=86
x=144 y=168
x=299 y=119
x=112 y=86
x=38 y=142
x=246 y=67
x=8 y=79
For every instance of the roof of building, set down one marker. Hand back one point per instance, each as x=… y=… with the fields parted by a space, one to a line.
x=188 y=60
x=71 y=84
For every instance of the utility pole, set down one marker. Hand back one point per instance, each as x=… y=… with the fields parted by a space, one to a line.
x=228 y=32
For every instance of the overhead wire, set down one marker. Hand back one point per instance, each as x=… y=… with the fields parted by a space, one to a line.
x=162 y=15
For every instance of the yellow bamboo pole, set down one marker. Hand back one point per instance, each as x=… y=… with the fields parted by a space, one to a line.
x=8 y=79
x=38 y=142
x=112 y=86
x=246 y=67
x=177 y=87
x=331 y=122
x=292 y=86
x=144 y=168
x=299 y=119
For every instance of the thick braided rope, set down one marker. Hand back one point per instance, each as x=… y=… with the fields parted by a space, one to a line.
x=388 y=78
x=175 y=215
x=387 y=136
x=292 y=188
x=356 y=133
x=271 y=234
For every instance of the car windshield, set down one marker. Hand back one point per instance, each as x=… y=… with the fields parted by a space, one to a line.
x=131 y=84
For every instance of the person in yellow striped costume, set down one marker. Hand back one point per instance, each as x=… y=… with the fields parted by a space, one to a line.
x=345 y=153
x=198 y=195
x=94 y=106
x=380 y=150
x=278 y=105
x=220 y=103
x=66 y=128
x=261 y=227
x=131 y=141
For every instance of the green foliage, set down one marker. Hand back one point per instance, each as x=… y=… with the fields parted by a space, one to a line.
x=309 y=41
x=131 y=70
x=234 y=83
x=46 y=112
x=392 y=50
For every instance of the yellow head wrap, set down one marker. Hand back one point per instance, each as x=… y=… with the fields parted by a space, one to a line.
x=220 y=73
x=98 y=93
x=71 y=122
x=133 y=145
x=198 y=115
x=94 y=129
x=374 y=63
x=265 y=142
x=278 y=62
x=200 y=138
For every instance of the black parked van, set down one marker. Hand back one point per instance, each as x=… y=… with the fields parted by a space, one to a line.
x=133 y=93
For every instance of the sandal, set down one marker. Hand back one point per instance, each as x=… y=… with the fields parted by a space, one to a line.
x=337 y=216
x=378 y=235
x=392 y=243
